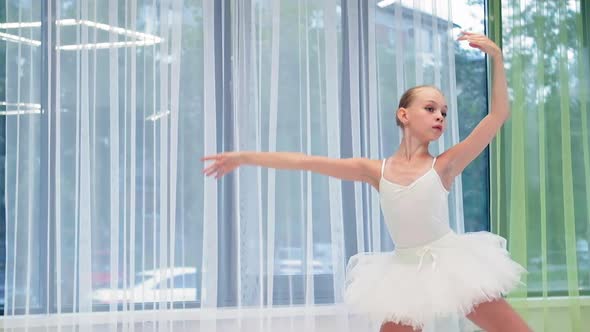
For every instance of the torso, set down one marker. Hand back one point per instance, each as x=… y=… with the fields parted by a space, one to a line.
x=415 y=209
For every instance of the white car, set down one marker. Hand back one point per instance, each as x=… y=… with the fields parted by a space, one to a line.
x=171 y=285
x=289 y=260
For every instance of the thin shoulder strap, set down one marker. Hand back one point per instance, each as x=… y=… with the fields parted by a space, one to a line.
x=383 y=166
x=433 y=161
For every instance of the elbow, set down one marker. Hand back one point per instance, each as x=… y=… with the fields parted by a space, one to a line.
x=301 y=161
x=507 y=114
x=502 y=114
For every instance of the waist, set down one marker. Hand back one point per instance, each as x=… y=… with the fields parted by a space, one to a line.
x=441 y=241
x=417 y=233
x=426 y=253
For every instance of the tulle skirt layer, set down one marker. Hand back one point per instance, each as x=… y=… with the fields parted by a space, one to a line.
x=449 y=276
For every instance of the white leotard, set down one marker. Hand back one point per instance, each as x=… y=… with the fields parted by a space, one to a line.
x=418 y=213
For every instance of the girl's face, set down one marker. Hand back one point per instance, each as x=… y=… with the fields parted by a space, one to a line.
x=425 y=115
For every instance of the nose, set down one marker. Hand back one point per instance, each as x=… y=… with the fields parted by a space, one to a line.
x=439 y=117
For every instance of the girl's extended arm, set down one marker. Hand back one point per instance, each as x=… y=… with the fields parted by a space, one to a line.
x=459 y=156
x=353 y=169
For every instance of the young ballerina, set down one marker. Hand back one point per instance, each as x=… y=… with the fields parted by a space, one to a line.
x=433 y=272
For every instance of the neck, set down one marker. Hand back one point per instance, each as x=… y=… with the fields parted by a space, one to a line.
x=411 y=148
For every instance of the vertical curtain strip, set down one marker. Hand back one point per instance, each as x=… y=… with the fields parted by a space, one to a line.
x=540 y=98
x=333 y=144
x=272 y=144
x=567 y=170
x=58 y=200
x=115 y=206
x=133 y=148
x=355 y=115
x=85 y=223
x=209 y=259
x=372 y=109
x=47 y=174
x=309 y=234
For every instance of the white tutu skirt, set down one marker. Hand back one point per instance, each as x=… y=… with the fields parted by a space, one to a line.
x=449 y=276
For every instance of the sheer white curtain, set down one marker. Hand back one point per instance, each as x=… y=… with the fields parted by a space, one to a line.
x=101 y=180
x=107 y=209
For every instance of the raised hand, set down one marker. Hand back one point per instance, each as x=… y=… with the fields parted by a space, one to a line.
x=481 y=42
x=223 y=163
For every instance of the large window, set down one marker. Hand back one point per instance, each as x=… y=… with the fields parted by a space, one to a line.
x=76 y=63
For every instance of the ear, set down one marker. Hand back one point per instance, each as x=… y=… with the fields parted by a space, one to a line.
x=402 y=115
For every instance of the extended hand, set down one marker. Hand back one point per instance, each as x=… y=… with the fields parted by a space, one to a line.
x=223 y=163
x=481 y=42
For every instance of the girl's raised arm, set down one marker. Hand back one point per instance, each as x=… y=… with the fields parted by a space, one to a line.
x=458 y=157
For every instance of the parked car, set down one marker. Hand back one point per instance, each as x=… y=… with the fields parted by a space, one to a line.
x=173 y=285
x=290 y=260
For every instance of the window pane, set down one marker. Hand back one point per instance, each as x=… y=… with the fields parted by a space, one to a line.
x=472 y=100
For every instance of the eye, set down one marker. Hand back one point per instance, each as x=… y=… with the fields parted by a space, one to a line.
x=444 y=114
x=429 y=109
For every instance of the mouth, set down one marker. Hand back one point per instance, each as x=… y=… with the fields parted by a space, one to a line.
x=437 y=127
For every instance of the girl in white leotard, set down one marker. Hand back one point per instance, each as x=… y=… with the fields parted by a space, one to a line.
x=433 y=272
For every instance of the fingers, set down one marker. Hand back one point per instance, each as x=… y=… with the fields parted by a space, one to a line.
x=221 y=171
x=223 y=163
x=469 y=33
x=211 y=157
x=213 y=167
x=210 y=170
x=465 y=35
x=480 y=42
x=472 y=36
x=217 y=169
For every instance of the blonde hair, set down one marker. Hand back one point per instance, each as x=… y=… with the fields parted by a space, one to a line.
x=408 y=97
